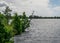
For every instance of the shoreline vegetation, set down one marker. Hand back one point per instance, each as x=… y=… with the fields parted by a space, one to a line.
x=40 y=17
x=17 y=25
x=10 y=29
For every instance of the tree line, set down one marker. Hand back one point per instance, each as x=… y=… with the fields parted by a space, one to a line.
x=41 y=17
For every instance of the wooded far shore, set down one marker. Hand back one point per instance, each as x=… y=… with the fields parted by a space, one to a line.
x=40 y=17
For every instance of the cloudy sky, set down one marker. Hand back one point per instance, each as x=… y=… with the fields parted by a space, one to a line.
x=41 y=7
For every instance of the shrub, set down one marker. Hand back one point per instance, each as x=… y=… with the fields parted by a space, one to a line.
x=16 y=24
x=6 y=31
x=2 y=32
x=25 y=22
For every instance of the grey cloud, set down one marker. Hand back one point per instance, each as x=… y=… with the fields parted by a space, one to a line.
x=9 y=1
x=3 y=4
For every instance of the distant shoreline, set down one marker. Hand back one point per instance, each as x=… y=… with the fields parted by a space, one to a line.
x=44 y=18
x=41 y=17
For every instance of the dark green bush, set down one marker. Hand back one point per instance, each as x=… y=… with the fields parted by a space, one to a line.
x=17 y=26
x=25 y=21
x=6 y=32
x=2 y=32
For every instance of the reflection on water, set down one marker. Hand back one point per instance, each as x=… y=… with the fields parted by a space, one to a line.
x=41 y=31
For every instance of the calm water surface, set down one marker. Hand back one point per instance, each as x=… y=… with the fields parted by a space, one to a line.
x=41 y=31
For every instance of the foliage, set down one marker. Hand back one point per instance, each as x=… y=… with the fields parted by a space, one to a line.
x=25 y=21
x=6 y=31
x=9 y=33
x=2 y=32
x=17 y=26
x=7 y=13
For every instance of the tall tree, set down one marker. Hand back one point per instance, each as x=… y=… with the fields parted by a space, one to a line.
x=7 y=13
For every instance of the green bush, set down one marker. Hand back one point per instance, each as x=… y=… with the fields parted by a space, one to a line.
x=25 y=22
x=6 y=32
x=2 y=32
x=9 y=33
x=16 y=24
x=16 y=27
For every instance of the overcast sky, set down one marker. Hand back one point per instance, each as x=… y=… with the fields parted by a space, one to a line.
x=41 y=7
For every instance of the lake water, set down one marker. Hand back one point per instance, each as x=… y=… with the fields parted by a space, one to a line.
x=41 y=31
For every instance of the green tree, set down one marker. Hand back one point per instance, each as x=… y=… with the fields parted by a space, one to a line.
x=7 y=13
